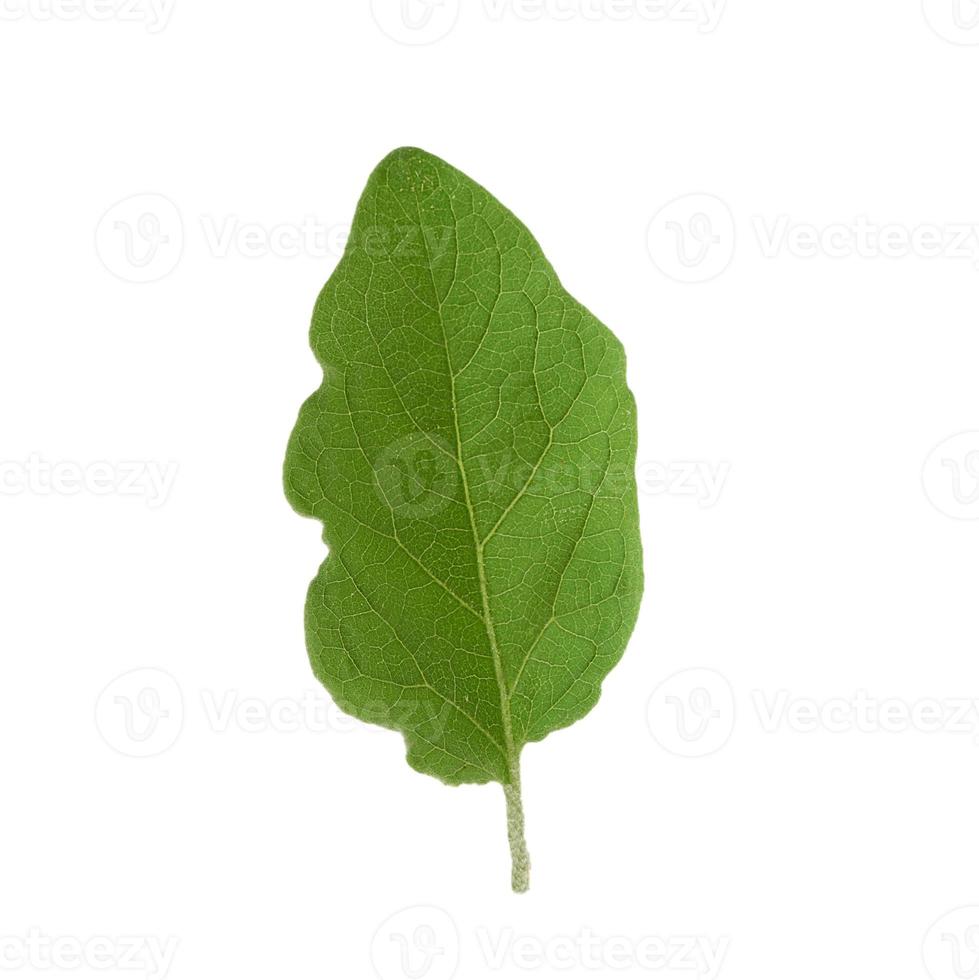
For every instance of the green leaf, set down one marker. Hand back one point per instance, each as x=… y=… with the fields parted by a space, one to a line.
x=471 y=454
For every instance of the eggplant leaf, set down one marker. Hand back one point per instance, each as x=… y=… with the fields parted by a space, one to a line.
x=471 y=455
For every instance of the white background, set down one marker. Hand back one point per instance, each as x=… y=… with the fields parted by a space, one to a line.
x=802 y=792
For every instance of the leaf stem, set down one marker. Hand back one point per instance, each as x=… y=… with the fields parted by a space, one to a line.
x=520 y=877
x=519 y=856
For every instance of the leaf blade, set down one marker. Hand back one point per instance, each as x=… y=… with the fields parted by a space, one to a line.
x=470 y=453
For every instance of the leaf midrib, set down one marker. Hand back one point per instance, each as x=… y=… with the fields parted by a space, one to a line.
x=512 y=753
